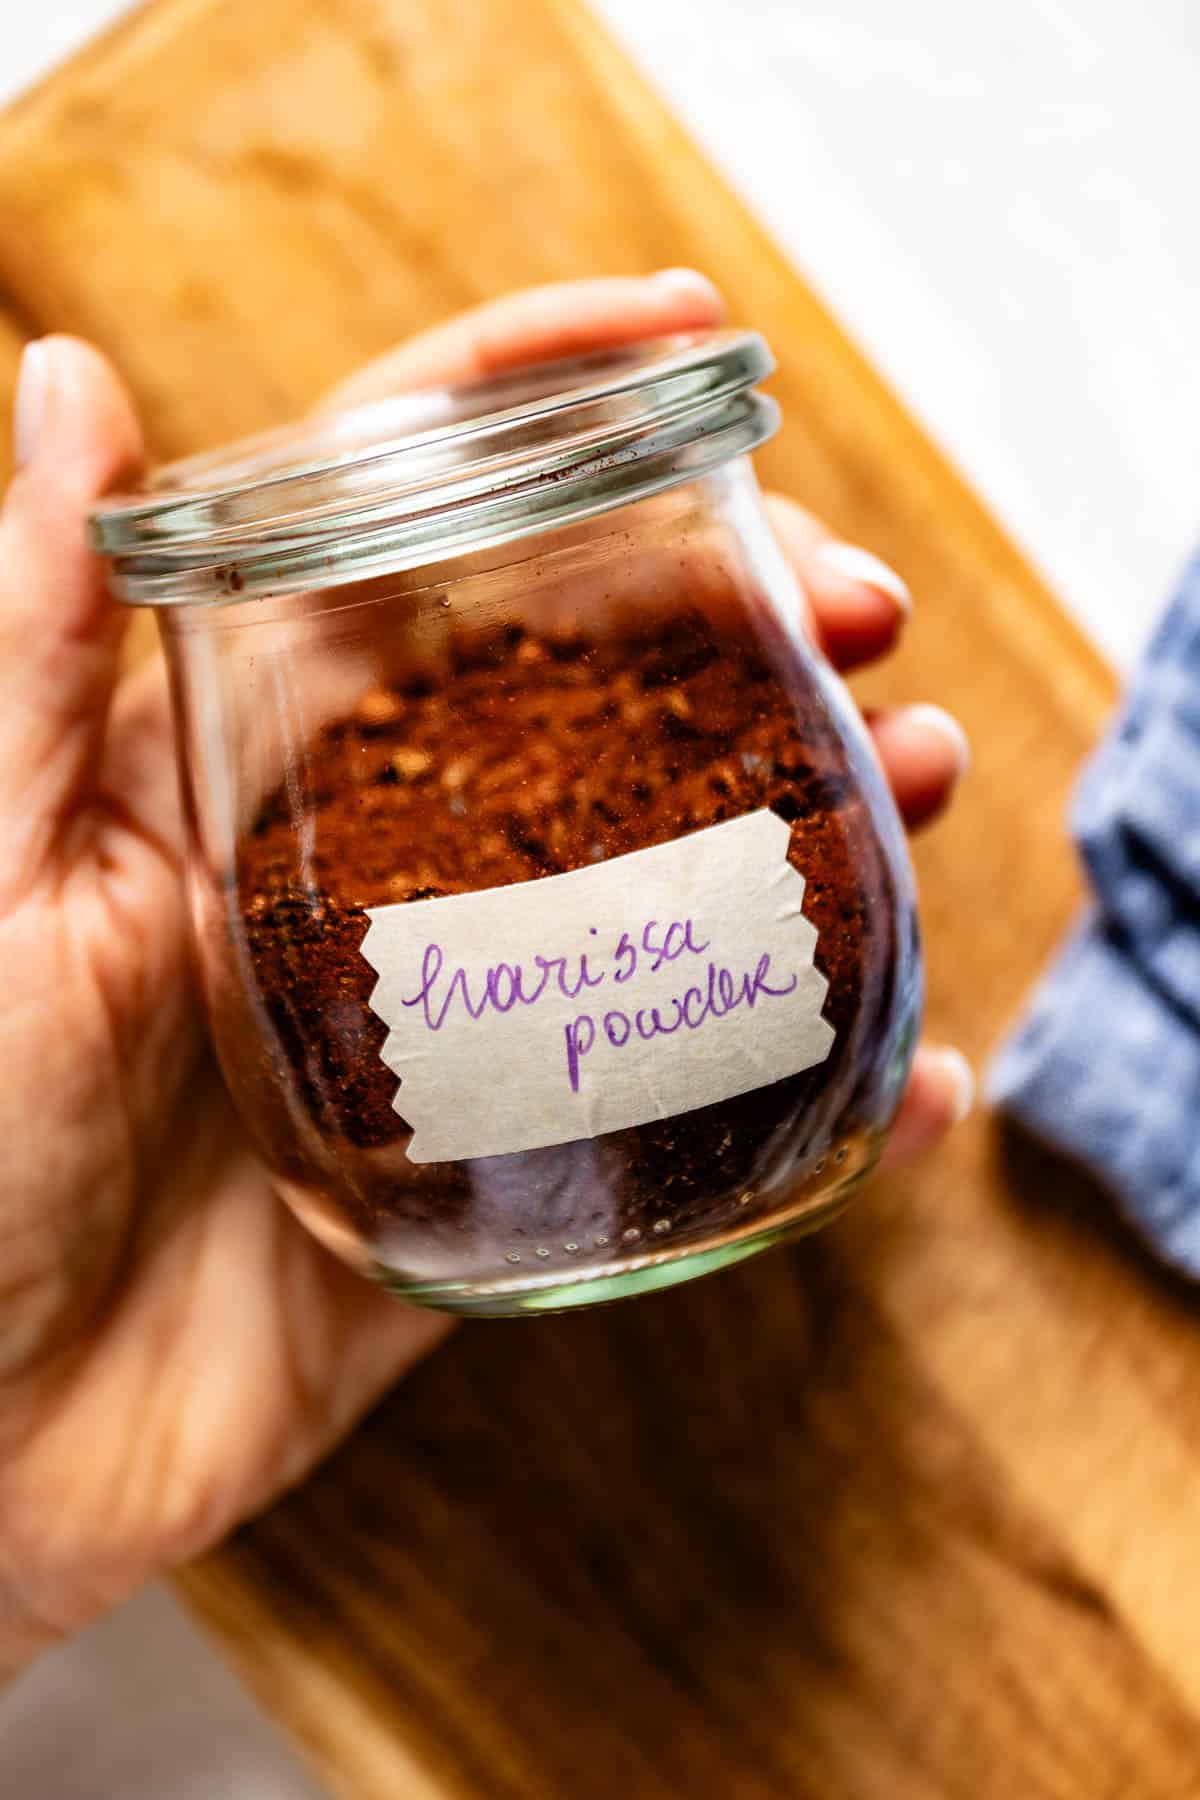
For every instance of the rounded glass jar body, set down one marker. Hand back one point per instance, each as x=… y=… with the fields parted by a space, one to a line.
x=506 y=717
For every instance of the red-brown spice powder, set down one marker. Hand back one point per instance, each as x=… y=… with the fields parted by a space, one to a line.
x=520 y=754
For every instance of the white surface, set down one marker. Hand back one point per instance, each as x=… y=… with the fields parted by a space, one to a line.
x=139 y=1708
x=999 y=201
x=38 y=37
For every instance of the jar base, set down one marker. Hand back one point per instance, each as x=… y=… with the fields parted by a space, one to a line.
x=621 y=1281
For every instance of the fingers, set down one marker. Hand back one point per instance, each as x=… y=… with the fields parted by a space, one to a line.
x=941 y=1092
x=924 y=754
x=538 y=324
x=59 y=633
x=857 y=604
x=857 y=608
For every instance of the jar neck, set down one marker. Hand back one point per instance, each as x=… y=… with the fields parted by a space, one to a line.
x=694 y=533
x=377 y=493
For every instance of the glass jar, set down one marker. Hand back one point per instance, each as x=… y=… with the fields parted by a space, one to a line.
x=554 y=920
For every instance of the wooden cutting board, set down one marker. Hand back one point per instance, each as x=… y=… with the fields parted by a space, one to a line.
x=911 y=1510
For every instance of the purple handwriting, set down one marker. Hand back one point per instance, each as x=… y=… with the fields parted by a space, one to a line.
x=723 y=994
x=447 y=993
x=504 y=985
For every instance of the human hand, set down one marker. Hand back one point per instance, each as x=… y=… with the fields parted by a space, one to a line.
x=175 y=1349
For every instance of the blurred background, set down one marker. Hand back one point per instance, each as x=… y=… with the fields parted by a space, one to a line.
x=999 y=204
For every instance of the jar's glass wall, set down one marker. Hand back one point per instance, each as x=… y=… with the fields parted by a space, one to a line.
x=565 y=700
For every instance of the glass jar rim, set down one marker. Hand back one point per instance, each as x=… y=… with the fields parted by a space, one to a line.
x=422 y=476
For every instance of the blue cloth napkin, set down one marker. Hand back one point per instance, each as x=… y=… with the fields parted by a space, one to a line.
x=1106 y=1066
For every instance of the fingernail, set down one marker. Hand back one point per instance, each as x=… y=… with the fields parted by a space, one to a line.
x=689 y=283
x=33 y=388
x=852 y=563
x=961 y=1079
x=936 y=718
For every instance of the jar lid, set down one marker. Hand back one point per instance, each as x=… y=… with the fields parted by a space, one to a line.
x=417 y=477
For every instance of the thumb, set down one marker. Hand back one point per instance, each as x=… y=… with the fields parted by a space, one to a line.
x=59 y=632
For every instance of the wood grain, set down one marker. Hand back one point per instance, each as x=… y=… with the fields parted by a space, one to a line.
x=908 y=1511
